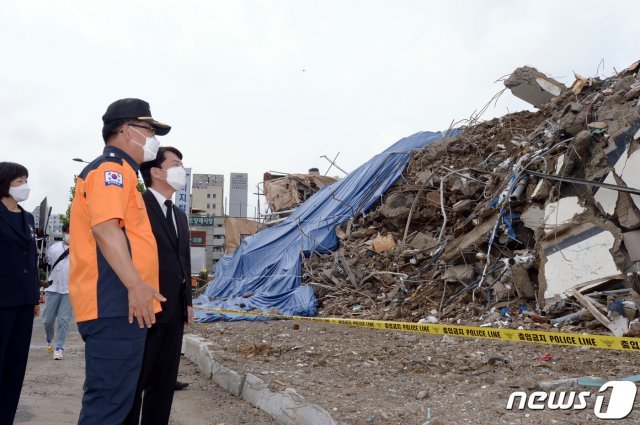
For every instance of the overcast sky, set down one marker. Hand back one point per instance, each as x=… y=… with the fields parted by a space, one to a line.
x=251 y=86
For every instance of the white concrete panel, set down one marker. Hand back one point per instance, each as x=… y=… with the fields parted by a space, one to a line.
x=562 y=212
x=582 y=262
x=631 y=174
x=607 y=198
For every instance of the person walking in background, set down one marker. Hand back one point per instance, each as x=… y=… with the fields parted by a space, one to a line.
x=19 y=285
x=57 y=304
x=170 y=226
x=114 y=262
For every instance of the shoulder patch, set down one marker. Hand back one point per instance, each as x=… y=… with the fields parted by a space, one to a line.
x=112 y=178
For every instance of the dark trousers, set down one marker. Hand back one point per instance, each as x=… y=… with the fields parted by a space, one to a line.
x=16 y=325
x=113 y=358
x=154 y=394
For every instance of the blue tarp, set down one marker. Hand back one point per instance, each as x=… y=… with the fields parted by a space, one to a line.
x=265 y=272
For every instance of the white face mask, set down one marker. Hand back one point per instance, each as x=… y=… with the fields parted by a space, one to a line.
x=150 y=148
x=66 y=238
x=20 y=193
x=177 y=177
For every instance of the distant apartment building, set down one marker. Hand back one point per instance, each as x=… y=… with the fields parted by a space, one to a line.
x=207 y=232
x=207 y=194
x=238 y=195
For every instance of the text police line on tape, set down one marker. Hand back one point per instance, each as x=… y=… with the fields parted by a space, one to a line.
x=515 y=335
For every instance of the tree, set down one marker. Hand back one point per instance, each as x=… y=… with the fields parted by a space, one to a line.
x=72 y=190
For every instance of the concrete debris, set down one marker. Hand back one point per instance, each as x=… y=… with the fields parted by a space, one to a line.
x=558 y=214
x=632 y=244
x=533 y=217
x=533 y=87
x=579 y=83
x=581 y=255
x=522 y=283
x=461 y=273
x=469 y=235
x=423 y=241
x=284 y=192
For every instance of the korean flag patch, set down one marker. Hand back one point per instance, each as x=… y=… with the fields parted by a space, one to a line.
x=112 y=178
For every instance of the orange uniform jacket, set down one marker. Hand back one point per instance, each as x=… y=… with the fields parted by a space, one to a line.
x=108 y=189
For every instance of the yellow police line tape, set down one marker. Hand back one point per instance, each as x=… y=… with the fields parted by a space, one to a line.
x=514 y=335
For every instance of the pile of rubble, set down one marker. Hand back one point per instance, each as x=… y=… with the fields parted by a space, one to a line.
x=530 y=220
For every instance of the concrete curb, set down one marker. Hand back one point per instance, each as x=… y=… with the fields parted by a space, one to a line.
x=286 y=407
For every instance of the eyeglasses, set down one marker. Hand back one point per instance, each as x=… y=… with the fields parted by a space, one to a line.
x=151 y=129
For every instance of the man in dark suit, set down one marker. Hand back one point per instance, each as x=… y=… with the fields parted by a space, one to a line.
x=154 y=395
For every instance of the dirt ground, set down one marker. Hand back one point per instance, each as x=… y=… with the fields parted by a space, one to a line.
x=369 y=376
x=52 y=391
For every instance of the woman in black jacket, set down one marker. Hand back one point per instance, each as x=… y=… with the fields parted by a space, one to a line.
x=19 y=297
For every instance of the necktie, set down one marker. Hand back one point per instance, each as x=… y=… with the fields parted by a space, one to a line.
x=169 y=217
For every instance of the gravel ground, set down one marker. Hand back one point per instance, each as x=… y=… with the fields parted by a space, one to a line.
x=369 y=376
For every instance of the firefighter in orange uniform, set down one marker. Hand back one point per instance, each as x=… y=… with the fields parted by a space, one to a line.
x=113 y=283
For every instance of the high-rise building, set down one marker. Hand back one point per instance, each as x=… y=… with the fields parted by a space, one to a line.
x=207 y=194
x=238 y=195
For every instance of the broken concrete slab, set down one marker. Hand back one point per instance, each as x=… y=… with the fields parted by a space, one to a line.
x=627 y=212
x=630 y=174
x=617 y=204
x=287 y=407
x=460 y=273
x=622 y=141
x=470 y=240
x=541 y=190
x=591 y=285
x=533 y=87
x=607 y=199
x=423 y=241
x=559 y=214
x=521 y=282
x=632 y=244
x=396 y=200
x=533 y=217
x=398 y=215
x=582 y=254
x=502 y=290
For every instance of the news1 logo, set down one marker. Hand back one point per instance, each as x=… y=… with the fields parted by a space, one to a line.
x=623 y=395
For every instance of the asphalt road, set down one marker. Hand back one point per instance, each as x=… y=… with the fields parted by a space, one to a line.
x=52 y=391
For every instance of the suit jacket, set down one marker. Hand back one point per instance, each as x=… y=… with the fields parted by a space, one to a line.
x=19 y=281
x=174 y=257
